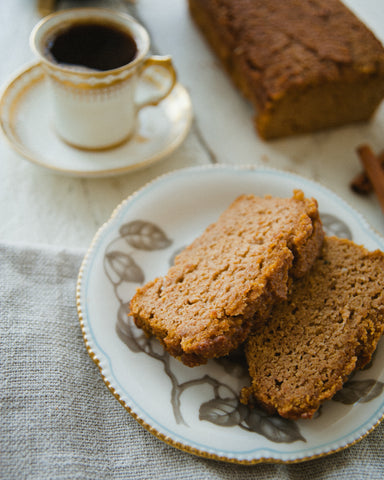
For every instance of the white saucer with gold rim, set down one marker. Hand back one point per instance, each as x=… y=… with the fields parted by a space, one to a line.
x=25 y=119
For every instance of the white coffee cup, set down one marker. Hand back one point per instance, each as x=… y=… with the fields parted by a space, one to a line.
x=98 y=109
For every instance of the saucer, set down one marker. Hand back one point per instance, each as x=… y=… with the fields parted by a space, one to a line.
x=26 y=121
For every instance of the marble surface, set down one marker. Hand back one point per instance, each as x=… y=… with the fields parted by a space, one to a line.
x=42 y=207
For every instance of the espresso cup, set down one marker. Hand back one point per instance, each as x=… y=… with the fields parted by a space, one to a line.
x=94 y=60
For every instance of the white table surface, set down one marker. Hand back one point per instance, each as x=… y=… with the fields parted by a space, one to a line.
x=41 y=207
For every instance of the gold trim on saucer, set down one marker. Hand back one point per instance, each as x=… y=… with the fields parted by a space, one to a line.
x=26 y=79
x=97 y=149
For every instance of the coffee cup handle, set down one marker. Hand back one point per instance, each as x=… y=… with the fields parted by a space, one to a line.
x=155 y=96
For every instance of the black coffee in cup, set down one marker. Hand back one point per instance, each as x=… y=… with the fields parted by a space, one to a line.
x=93 y=45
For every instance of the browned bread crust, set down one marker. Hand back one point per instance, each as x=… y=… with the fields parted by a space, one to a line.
x=304 y=65
x=312 y=342
x=230 y=276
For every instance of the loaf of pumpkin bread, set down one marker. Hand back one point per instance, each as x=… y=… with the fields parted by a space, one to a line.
x=304 y=65
x=329 y=326
x=230 y=276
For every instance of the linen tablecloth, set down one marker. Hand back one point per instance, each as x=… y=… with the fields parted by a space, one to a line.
x=58 y=419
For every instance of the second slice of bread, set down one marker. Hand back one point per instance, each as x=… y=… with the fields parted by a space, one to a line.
x=312 y=342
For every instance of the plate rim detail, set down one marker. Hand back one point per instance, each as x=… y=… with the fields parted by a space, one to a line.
x=161 y=436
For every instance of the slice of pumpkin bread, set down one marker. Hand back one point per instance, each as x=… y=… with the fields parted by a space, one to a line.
x=229 y=277
x=312 y=342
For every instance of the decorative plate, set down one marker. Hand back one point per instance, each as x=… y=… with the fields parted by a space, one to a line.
x=26 y=121
x=197 y=409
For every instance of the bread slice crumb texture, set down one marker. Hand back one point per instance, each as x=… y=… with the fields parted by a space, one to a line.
x=329 y=326
x=230 y=276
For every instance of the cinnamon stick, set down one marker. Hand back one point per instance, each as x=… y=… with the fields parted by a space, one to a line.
x=361 y=183
x=374 y=171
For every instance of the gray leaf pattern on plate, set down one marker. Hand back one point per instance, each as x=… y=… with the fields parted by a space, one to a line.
x=273 y=427
x=226 y=412
x=120 y=267
x=334 y=226
x=359 y=391
x=144 y=235
x=174 y=255
x=224 y=409
x=124 y=330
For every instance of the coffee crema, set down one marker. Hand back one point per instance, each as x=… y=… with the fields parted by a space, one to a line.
x=97 y=46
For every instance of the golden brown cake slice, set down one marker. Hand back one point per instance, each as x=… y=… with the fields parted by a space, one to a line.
x=230 y=276
x=329 y=326
x=304 y=65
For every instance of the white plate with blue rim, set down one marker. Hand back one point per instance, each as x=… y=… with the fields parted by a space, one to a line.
x=197 y=409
